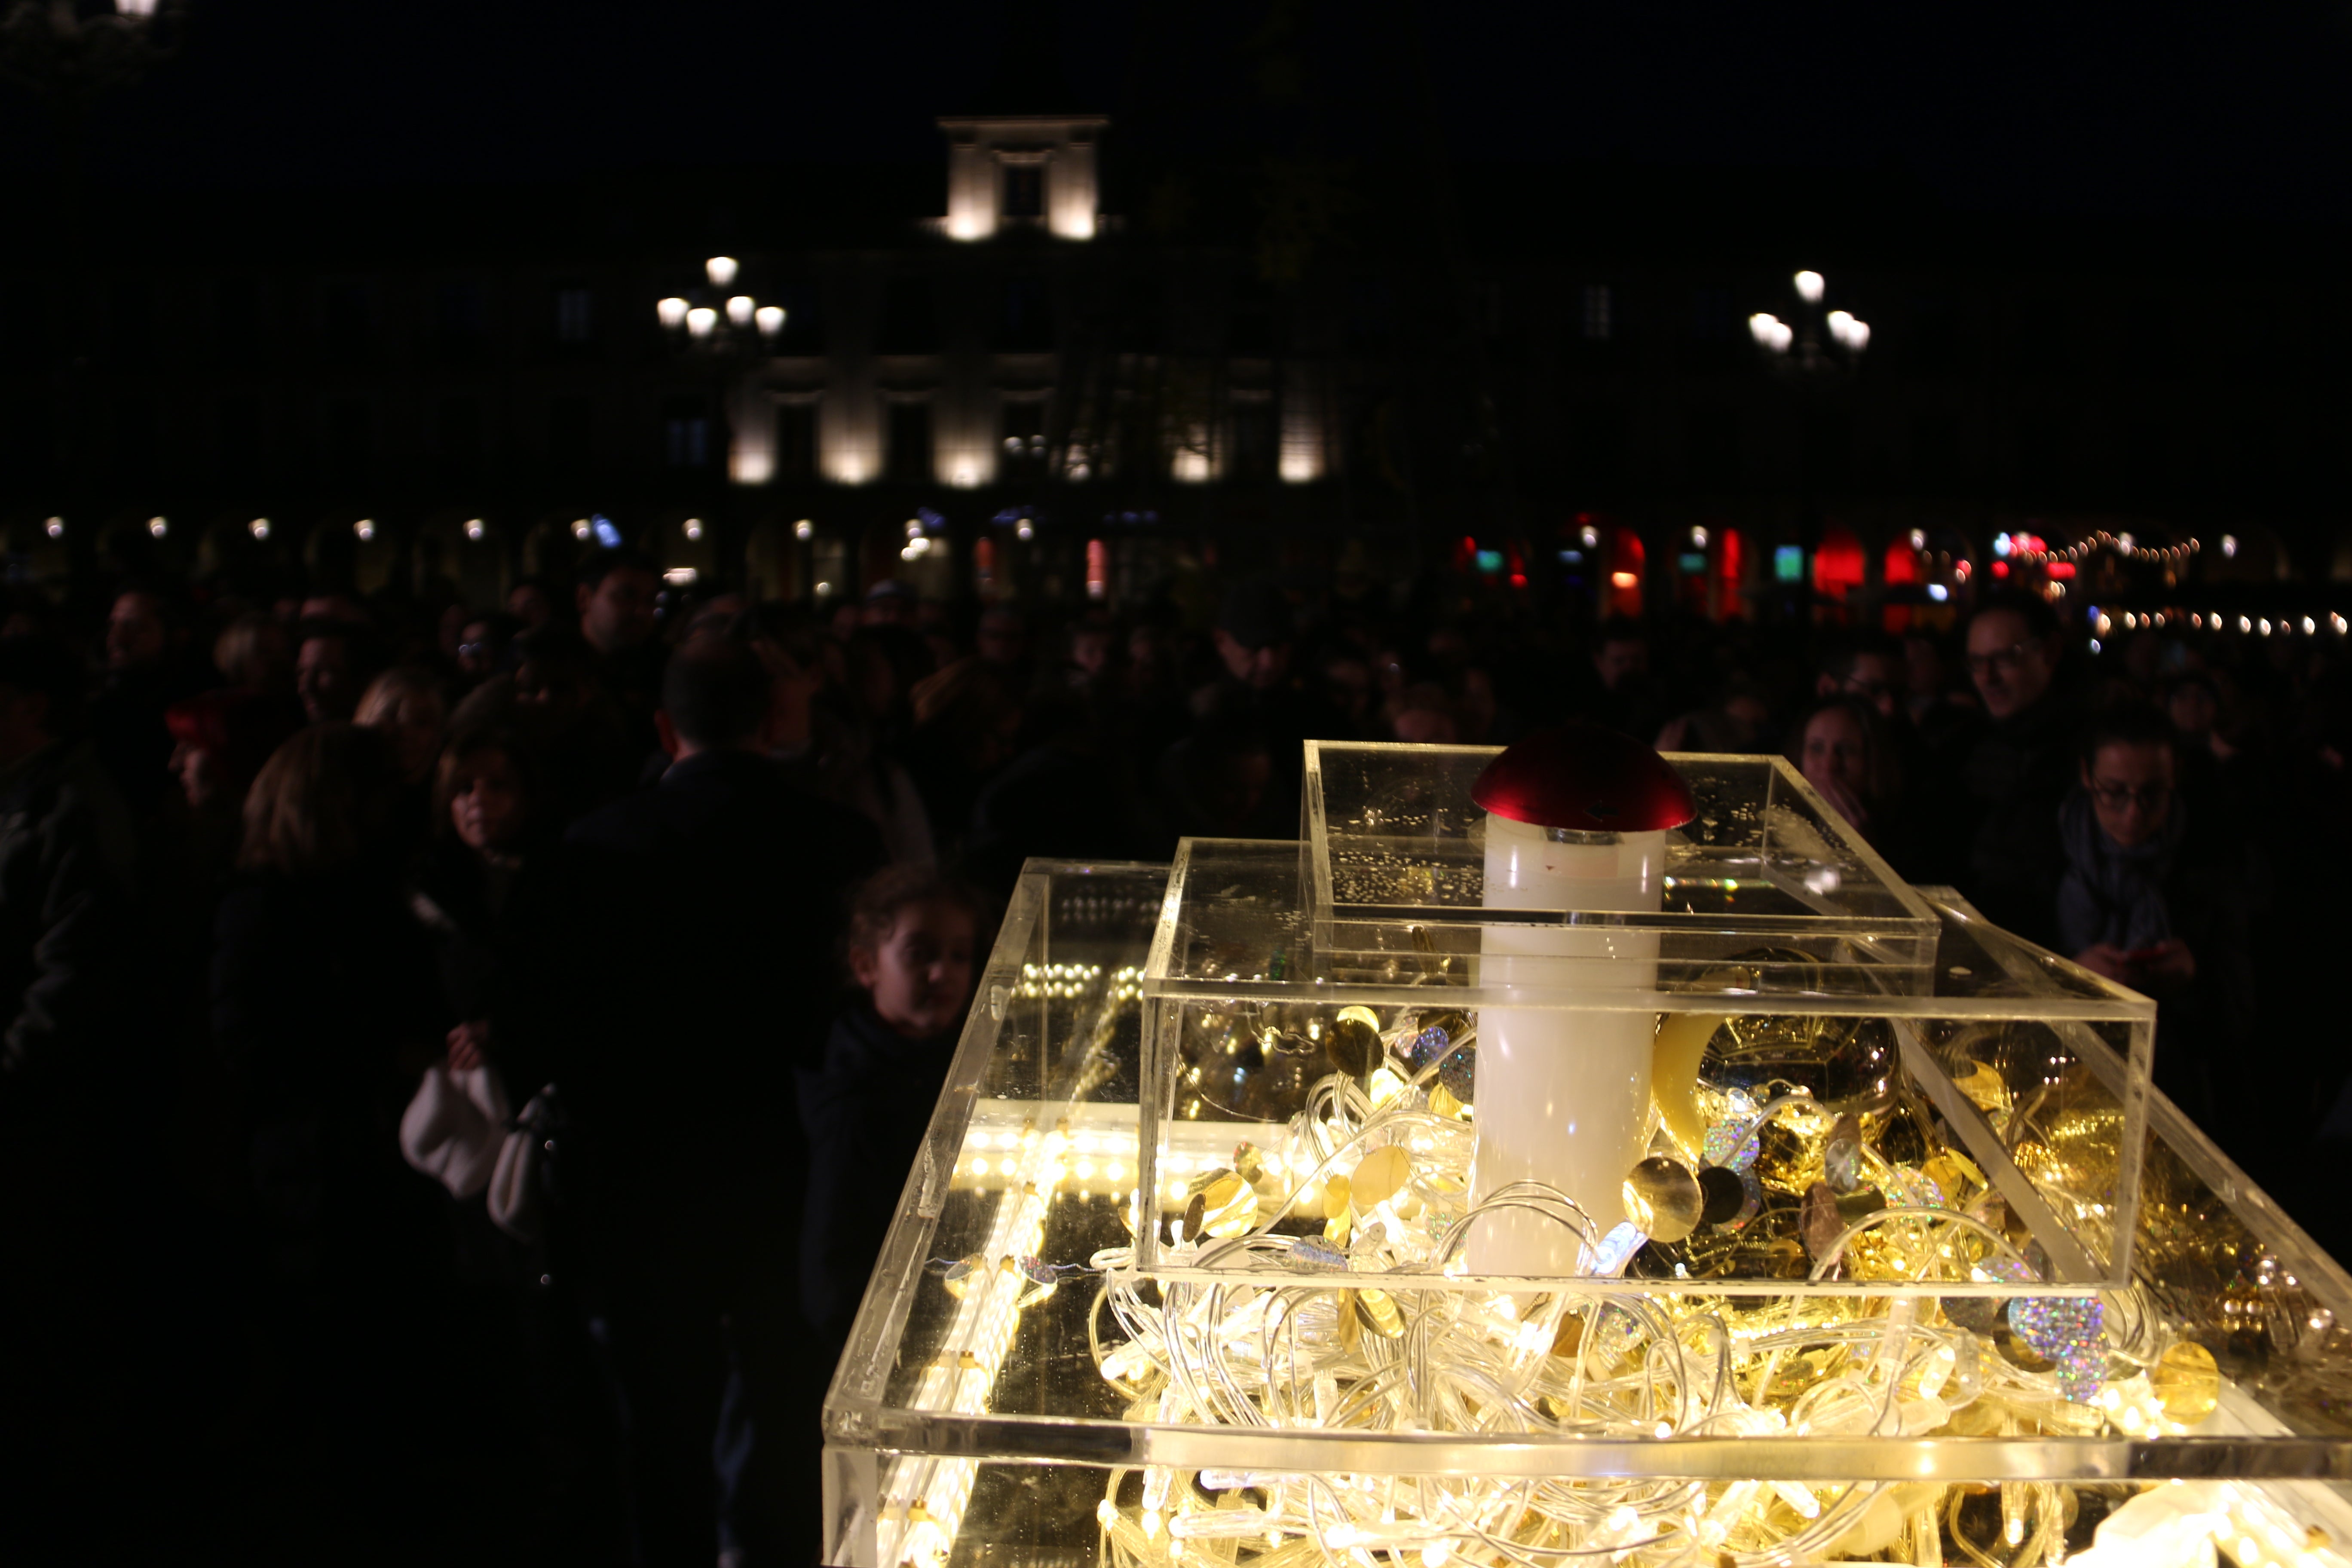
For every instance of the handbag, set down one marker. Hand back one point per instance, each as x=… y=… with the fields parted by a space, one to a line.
x=517 y=1195
x=456 y=1128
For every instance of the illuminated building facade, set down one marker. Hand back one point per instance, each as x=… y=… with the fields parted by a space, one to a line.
x=1065 y=389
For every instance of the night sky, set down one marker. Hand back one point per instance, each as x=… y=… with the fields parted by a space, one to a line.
x=2215 y=110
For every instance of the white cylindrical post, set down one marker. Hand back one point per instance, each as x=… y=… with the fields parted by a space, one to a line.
x=1562 y=1093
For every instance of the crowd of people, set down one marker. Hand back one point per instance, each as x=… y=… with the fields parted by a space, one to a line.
x=461 y=1059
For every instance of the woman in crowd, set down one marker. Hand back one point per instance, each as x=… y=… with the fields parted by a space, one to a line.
x=321 y=1012
x=1843 y=751
x=491 y=892
x=488 y=890
x=219 y=741
x=405 y=704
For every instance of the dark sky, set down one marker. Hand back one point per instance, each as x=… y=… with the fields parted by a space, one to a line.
x=2215 y=109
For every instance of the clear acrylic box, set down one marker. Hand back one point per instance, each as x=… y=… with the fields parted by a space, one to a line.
x=1038 y=1374
x=1236 y=1050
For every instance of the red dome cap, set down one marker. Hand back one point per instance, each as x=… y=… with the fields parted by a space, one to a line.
x=1585 y=779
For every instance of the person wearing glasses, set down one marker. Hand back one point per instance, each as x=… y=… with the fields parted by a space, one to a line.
x=2159 y=900
x=2021 y=765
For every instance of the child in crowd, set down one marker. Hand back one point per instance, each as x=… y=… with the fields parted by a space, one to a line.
x=915 y=939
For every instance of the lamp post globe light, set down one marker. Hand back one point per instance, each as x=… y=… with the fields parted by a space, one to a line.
x=717 y=316
x=1815 y=339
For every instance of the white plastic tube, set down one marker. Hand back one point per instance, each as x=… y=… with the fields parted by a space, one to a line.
x=1562 y=1091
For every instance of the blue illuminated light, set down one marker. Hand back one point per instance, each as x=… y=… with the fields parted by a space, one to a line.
x=601 y=527
x=1490 y=560
x=1789 y=564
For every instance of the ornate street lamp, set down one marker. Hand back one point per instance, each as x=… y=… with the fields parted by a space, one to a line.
x=1798 y=344
x=1815 y=345
x=718 y=318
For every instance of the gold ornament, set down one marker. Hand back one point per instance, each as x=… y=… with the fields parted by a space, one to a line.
x=1224 y=1205
x=1380 y=1314
x=1662 y=1198
x=1379 y=1175
x=1673 y=1075
x=2187 y=1382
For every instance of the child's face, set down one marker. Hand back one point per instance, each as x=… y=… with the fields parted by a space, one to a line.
x=920 y=975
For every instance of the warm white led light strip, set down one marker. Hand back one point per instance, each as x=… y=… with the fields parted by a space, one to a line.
x=962 y=1375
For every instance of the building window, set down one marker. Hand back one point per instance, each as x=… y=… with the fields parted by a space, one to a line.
x=572 y=317
x=909 y=453
x=1024 y=190
x=909 y=323
x=1026 y=324
x=804 y=330
x=1254 y=438
x=571 y=431
x=1599 y=312
x=685 y=433
x=796 y=442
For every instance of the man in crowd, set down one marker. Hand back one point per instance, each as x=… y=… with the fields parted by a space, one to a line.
x=2162 y=899
x=618 y=596
x=2021 y=766
x=148 y=668
x=1868 y=667
x=1628 y=701
x=1260 y=694
x=332 y=668
x=722 y=887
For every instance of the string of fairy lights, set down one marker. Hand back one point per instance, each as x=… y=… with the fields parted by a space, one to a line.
x=2026 y=550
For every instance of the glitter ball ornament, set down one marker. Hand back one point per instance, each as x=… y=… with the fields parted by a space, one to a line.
x=2069 y=1332
x=1732 y=1144
x=1459 y=1075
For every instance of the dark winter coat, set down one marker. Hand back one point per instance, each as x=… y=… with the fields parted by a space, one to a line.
x=864 y=1110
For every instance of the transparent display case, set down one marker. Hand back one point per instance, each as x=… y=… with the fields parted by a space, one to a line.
x=1907 y=1263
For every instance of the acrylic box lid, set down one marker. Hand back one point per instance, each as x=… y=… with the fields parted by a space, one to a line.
x=1394 y=856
